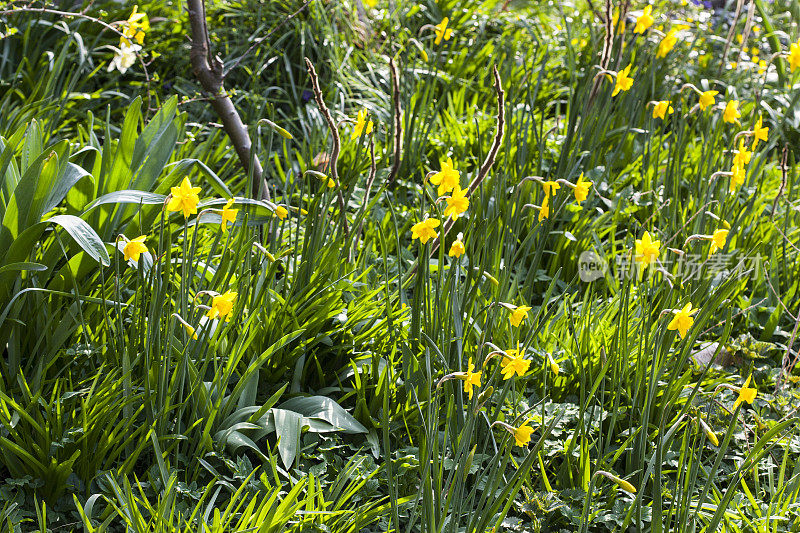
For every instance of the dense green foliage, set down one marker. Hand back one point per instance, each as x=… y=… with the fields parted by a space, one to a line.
x=333 y=394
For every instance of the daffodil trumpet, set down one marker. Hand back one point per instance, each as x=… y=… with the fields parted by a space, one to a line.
x=712 y=437
x=521 y=434
x=188 y=327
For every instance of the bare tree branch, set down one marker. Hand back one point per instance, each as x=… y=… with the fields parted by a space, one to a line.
x=209 y=72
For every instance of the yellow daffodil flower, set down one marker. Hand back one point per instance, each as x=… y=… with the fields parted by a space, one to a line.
x=457 y=248
x=710 y=434
x=794 y=56
x=447 y=178
x=707 y=99
x=617 y=23
x=718 y=240
x=667 y=43
x=442 y=31
x=738 y=175
x=743 y=155
x=683 y=319
x=647 y=250
x=518 y=314
x=760 y=133
x=731 y=114
x=550 y=187
x=471 y=378
x=281 y=212
x=644 y=21
x=228 y=215
x=457 y=204
x=662 y=108
x=361 y=123
x=222 y=305
x=135 y=27
x=134 y=248
x=522 y=434
x=553 y=365
x=623 y=81
x=190 y=330
x=514 y=362
x=581 y=189
x=746 y=394
x=544 y=210
x=188 y=327
x=184 y=198
x=425 y=230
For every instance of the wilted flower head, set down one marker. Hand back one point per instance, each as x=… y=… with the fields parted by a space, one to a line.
x=124 y=58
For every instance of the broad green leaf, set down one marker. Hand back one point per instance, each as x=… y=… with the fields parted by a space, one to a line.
x=326 y=409
x=84 y=235
x=127 y=197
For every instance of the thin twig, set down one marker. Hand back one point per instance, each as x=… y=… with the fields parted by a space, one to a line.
x=747 y=25
x=397 y=138
x=605 y=55
x=490 y=157
x=336 y=144
x=731 y=33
